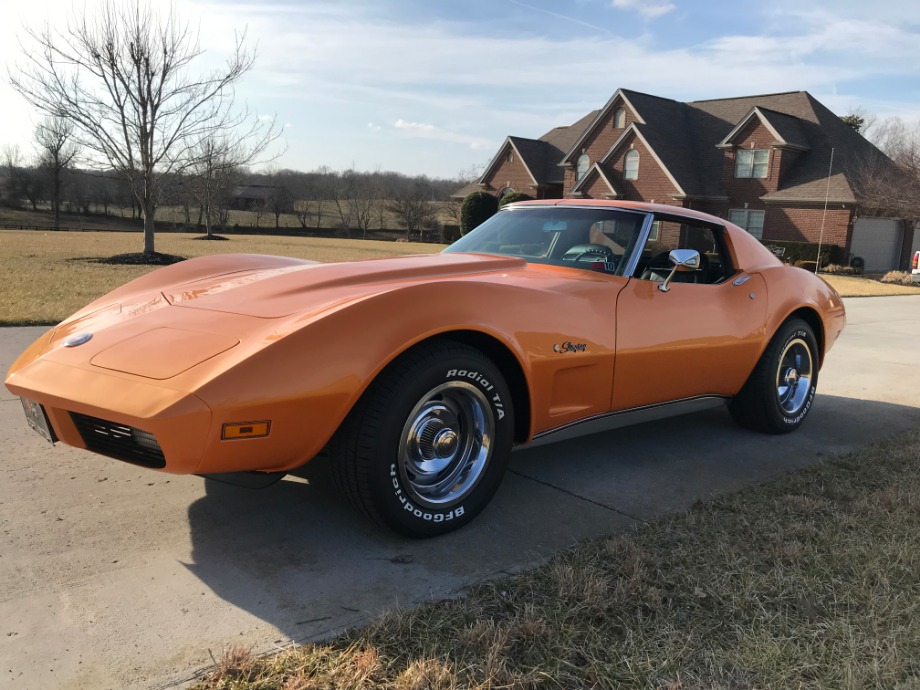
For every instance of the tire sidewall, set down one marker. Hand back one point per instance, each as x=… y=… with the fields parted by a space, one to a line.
x=795 y=330
x=393 y=498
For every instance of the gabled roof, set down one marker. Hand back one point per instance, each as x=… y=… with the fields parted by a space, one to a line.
x=815 y=126
x=623 y=95
x=784 y=127
x=519 y=145
x=635 y=129
x=540 y=157
x=596 y=171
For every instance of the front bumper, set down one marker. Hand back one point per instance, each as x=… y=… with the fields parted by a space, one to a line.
x=117 y=416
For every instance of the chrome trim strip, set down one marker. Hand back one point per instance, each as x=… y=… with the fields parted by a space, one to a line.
x=617 y=420
x=639 y=246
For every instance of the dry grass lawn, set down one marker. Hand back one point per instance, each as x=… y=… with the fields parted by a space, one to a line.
x=853 y=286
x=811 y=581
x=49 y=275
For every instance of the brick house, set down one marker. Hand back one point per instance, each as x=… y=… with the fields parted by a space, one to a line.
x=762 y=162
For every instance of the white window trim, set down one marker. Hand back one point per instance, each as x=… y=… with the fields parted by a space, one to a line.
x=579 y=172
x=635 y=156
x=749 y=171
x=743 y=219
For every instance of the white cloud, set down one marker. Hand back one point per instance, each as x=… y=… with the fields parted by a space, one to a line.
x=374 y=128
x=646 y=8
x=421 y=130
x=414 y=126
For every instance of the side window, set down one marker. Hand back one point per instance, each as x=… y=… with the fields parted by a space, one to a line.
x=680 y=233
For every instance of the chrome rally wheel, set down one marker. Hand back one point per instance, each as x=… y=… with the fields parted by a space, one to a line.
x=446 y=443
x=793 y=376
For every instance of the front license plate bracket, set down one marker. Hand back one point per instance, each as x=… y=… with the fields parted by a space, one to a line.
x=38 y=419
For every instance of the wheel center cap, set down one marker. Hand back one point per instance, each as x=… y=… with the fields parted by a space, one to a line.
x=445 y=443
x=792 y=376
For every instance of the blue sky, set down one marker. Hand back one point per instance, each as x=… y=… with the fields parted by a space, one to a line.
x=433 y=86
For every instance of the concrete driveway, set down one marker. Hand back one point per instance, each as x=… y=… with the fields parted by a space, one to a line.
x=117 y=577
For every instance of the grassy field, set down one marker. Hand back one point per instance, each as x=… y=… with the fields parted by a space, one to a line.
x=49 y=275
x=170 y=218
x=811 y=581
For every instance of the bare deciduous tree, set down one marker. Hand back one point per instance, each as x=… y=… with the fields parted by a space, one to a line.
x=215 y=169
x=413 y=207
x=891 y=185
x=122 y=77
x=57 y=151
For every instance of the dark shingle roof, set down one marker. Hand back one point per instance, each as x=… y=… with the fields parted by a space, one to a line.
x=558 y=143
x=685 y=137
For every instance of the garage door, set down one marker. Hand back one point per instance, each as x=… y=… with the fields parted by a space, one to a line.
x=878 y=242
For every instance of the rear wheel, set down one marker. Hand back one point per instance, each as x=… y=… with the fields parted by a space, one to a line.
x=426 y=447
x=779 y=393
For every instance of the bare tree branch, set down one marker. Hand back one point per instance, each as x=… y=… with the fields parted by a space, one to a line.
x=122 y=78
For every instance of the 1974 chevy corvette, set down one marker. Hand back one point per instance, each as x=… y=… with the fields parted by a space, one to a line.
x=419 y=373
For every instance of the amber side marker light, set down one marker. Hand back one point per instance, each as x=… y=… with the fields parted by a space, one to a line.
x=237 y=430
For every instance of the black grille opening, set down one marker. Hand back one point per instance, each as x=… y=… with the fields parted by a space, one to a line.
x=119 y=441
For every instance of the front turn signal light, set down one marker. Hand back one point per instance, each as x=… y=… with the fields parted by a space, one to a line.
x=235 y=430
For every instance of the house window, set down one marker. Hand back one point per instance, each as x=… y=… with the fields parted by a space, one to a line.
x=654 y=232
x=581 y=169
x=631 y=166
x=619 y=118
x=510 y=156
x=752 y=221
x=751 y=162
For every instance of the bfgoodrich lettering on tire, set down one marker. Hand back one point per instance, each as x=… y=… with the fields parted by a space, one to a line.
x=780 y=391
x=426 y=447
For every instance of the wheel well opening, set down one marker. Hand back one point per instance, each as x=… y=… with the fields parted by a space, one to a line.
x=811 y=317
x=510 y=368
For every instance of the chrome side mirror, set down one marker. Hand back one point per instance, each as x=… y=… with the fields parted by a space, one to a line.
x=682 y=260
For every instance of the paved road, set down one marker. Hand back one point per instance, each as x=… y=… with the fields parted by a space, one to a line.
x=117 y=577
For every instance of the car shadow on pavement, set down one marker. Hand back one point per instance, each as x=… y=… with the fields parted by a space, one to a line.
x=296 y=556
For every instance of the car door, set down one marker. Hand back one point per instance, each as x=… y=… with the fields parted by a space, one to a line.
x=700 y=337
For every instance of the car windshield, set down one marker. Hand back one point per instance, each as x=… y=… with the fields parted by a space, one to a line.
x=598 y=239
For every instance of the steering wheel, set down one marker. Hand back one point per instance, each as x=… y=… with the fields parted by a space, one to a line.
x=590 y=252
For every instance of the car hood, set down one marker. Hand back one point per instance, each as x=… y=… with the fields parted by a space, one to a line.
x=284 y=291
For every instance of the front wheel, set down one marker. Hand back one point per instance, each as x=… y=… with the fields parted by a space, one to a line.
x=426 y=447
x=780 y=391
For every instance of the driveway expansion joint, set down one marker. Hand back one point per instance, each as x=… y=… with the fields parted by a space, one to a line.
x=578 y=496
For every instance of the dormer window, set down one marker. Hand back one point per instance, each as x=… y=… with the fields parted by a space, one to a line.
x=584 y=162
x=619 y=118
x=751 y=162
x=631 y=166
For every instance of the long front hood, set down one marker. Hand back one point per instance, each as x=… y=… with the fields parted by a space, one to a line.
x=279 y=292
x=169 y=321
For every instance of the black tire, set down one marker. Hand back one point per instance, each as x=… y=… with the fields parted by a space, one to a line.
x=426 y=447
x=780 y=391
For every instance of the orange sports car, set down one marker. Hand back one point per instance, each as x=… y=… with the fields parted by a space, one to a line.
x=419 y=374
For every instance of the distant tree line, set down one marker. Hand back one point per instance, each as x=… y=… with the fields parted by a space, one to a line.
x=350 y=201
